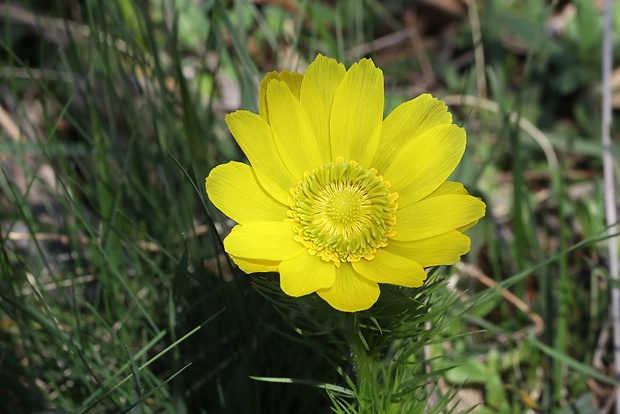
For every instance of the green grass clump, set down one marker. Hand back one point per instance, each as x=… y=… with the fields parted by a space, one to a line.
x=115 y=293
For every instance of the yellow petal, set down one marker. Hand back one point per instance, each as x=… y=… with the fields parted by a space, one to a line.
x=390 y=268
x=255 y=266
x=357 y=113
x=448 y=187
x=292 y=79
x=423 y=164
x=254 y=136
x=436 y=215
x=444 y=249
x=351 y=291
x=317 y=95
x=467 y=226
x=234 y=190
x=408 y=121
x=265 y=240
x=304 y=274
x=292 y=132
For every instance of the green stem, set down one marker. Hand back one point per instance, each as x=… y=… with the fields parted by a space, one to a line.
x=564 y=293
x=362 y=364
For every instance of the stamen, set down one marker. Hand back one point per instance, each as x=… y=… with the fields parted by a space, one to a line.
x=343 y=212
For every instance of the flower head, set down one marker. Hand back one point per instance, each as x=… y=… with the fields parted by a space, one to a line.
x=336 y=198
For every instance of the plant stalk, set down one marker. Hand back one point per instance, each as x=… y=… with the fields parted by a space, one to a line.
x=611 y=214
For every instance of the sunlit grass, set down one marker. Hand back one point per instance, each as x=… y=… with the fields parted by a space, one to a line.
x=115 y=294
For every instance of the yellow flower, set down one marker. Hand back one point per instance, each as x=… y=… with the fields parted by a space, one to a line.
x=336 y=198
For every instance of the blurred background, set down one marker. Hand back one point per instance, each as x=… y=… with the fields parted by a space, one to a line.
x=115 y=294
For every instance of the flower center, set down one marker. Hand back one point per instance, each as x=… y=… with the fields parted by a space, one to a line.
x=343 y=212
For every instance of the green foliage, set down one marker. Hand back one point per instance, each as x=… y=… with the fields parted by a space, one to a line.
x=115 y=293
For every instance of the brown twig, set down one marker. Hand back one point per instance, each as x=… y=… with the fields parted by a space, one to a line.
x=475 y=272
x=10 y=126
